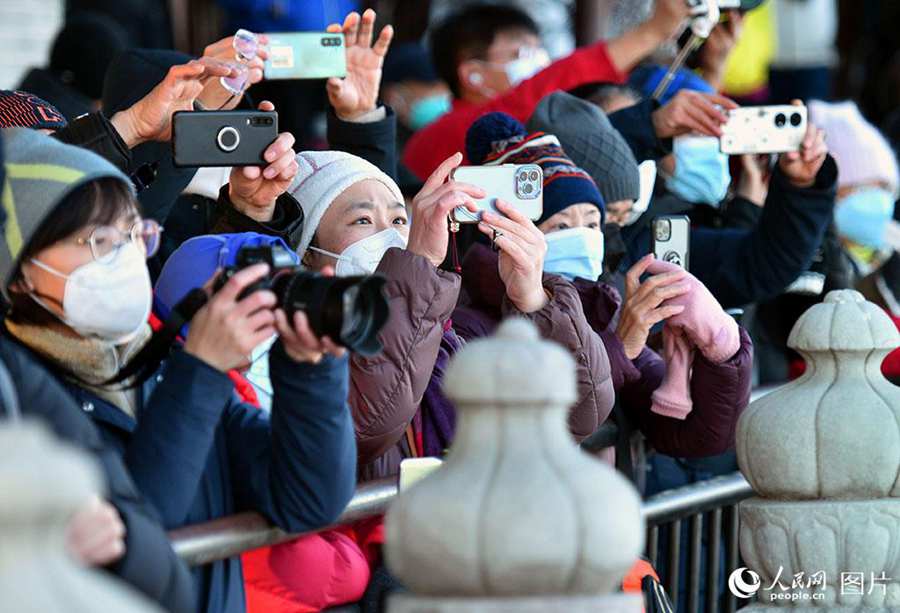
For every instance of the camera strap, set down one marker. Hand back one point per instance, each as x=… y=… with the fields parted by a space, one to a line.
x=142 y=366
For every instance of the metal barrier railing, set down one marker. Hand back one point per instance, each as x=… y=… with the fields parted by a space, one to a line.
x=231 y=536
x=709 y=506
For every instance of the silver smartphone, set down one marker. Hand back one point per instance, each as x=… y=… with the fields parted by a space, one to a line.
x=763 y=129
x=671 y=239
x=520 y=185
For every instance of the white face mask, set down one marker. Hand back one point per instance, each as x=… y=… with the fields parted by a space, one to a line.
x=647 y=171
x=526 y=66
x=362 y=257
x=575 y=253
x=106 y=300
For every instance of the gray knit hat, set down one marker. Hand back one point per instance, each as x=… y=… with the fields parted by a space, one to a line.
x=592 y=142
x=40 y=173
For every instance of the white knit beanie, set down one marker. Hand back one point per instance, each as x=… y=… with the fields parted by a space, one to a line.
x=861 y=152
x=325 y=175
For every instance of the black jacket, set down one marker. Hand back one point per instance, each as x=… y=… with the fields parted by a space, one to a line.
x=149 y=564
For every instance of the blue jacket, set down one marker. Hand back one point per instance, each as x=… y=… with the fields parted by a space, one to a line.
x=149 y=564
x=739 y=266
x=197 y=453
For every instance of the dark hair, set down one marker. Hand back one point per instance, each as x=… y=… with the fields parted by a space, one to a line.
x=469 y=33
x=602 y=93
x=98 y=202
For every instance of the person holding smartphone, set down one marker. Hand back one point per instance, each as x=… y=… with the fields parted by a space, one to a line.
x=571 y=228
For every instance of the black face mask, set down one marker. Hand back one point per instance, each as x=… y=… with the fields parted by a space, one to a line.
x=614 y=248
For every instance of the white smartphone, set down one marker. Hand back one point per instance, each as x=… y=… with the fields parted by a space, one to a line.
x=519 y=185
x=305 y=55
x=671 y=239
x=763 y=129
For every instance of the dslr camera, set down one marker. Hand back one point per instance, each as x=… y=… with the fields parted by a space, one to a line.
x=349 y=310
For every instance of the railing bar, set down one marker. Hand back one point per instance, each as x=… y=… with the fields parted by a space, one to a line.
x=693 y=581
x=713 y=543
x=653 y=545
x=674 y=560
x=696 y=498
x=731 y=552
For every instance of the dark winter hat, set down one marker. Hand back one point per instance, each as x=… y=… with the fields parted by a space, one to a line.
x=593 y=143
x=40 y=173
x=497 y=138
x=24 y=110
x=408 y=62
x=646 y=78
x=83 y=50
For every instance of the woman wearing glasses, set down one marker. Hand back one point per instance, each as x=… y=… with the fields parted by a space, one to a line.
x=73 y=269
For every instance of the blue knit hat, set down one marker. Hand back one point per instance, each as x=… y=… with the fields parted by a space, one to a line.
x=498 y=138
x=197 y=260
x=646 y=78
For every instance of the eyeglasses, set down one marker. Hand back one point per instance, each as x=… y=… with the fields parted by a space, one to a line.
x=104 y=241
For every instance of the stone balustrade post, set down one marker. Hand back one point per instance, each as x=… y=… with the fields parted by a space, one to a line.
x=823 y=455
x=518 y=518
x=42 y=483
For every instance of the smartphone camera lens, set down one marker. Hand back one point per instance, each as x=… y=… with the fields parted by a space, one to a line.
x=528 y=188
x=534 y=175
x=228 y=139
x=662 y=230
x=796 y=119
x=780 y=120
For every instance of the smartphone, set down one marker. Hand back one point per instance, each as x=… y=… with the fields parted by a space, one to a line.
x=222 y=138
x=521 y=185
x=671 y=238
x=763 y=129
x=413 y=470
x=305 y=55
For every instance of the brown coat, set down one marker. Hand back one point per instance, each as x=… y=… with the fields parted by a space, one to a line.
x=385 y=390
x=562 y=320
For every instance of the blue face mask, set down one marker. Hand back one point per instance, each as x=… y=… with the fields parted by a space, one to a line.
x=701 y=171
x=575 y=252
x=427 y=110
x=863 y=216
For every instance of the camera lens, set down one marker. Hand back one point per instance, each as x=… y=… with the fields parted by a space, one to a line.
x=796 y=119
x=780 y=120
x=523 y=176
x=528 y=188
x=534 y=175
x=228 y=139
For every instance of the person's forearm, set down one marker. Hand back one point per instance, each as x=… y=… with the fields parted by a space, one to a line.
x=261 y=213
x=592 y=20
x=630 y=48
x=123 y=122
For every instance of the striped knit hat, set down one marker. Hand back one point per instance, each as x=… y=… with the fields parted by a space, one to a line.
x=24 y=110
x=498 y=138
x=40 y=173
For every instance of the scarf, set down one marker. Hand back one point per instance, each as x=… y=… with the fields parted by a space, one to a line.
x=87 y=362
x=435 y=422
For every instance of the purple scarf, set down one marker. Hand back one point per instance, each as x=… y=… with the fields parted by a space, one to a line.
x=437 y=414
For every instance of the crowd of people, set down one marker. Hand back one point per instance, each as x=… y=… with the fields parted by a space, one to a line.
x=243 y=404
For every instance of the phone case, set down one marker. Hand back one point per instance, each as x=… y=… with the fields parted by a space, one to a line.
x=222 y=138
x=519 y=185
x=305 y=55
x=763 y=129
x=670 y=237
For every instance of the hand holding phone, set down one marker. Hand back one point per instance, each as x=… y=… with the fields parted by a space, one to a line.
x=222 y=138
x=521 y=186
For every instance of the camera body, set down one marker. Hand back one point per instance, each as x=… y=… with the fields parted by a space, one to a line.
x=222 y=138
x=351 y=311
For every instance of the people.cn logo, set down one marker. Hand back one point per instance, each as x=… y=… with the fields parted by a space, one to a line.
x=741 y=588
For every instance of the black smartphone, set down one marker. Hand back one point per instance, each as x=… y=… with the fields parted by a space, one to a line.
x=671 y=238
x=222 y=138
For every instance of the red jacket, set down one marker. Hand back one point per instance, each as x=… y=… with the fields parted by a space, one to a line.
x=435 y=143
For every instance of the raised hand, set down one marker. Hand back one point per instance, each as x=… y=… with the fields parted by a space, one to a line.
x=801 y=167
x=692 y=112
x=522 y=249
x=357 y=93
x=428 y=234
x=254 y=190
x=150 y=118
x=214 y=96
x=641 y=309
